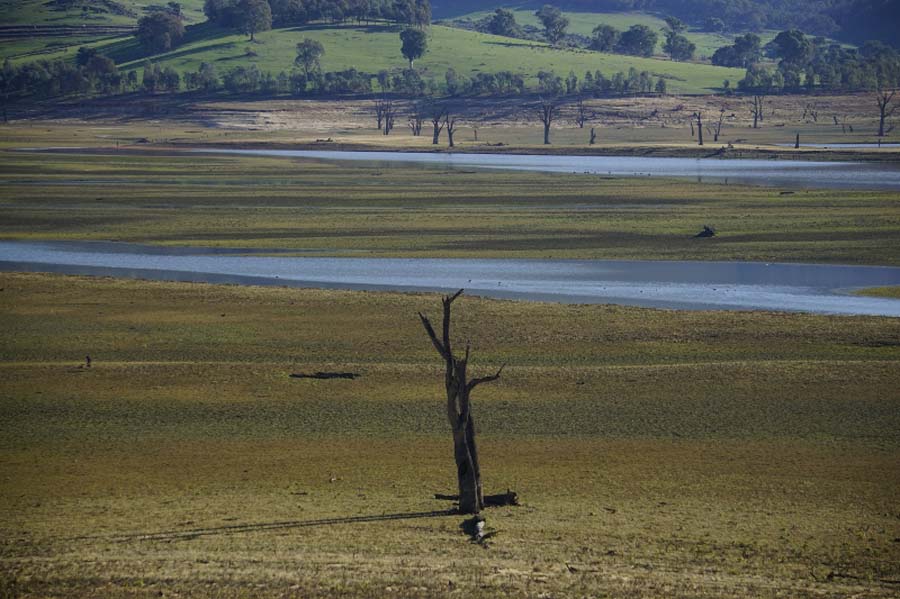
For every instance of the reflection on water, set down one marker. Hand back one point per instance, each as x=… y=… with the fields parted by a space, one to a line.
x=786 y=173
x=681 y=285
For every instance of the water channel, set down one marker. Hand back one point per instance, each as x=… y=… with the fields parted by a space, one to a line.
x=661 y=284
x=781 y=173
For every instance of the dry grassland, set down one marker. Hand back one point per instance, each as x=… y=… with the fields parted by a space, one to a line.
x=656 y=453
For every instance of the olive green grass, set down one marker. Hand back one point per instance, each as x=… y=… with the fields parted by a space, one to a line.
x=656 y=453
x=177 y=198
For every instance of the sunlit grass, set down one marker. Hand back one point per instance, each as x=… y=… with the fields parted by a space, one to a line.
x=688 y=451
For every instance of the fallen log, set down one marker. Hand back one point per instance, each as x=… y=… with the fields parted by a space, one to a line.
x=499 y=500
x=326 y=375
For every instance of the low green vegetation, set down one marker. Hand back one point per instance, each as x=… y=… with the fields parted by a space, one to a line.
x=87 y=13
x=584 y=23
x=376 y=210
x=378 y=47
x=653 y=451
x=888 y=292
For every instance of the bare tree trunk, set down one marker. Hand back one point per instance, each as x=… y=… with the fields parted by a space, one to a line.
x=593 y=137
x=459 y=412
x=885 y=110
x=797 y=143
x=437 y=122
x=700 y=127
x=547 y=111
x=450 y=124
x=756 y=109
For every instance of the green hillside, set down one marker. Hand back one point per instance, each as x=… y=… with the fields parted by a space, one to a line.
x=88 y=12
x=583 y=23
x=377 y=47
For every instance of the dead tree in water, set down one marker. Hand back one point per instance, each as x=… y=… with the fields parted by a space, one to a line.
x=459 y=412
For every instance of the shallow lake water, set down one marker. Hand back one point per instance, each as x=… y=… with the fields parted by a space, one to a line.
x=783 y=173
x=678 y=285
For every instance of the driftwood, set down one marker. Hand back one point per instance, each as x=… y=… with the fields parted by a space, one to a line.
x=326 y=375
x=706 y=232
x=499 y=500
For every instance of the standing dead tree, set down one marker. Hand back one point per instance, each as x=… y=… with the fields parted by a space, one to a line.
x=436 y=116
x=699 y=116
x=757 y=109
x=716 y=127
x=459 y=411
x=416 y=119
x=380 y=105
x=385 y=113
x=389 y=114
x=582 y=114
x=547 y=111
x=886 y=110
x=450 y=125
x=811 y=113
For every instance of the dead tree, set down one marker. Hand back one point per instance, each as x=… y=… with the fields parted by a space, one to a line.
x=699 y=116
x=436 y=115
x=415 y=120
x=811 y=113
x=547 y=110
x=582 y=115
x=380 y=105
x=450 y=125
x=886 y=108
x=459 y=412
x=388 y=117
x=716 y=128
x=757 y=109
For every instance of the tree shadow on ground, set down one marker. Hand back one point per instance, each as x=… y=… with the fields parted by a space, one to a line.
x=192 y=533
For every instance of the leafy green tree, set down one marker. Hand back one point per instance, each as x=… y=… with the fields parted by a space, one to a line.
x=550 y=84
x=414 y=44
x=309 y=52
x=503 y=22
x=714 y=25
x=554 y=23
x=159 y=31
x=678 y=46
x=792 y=47
x=675 y=25
x=661 y=86
x=639 y=40
x=254 y=16
x=745 y=52
x=604 y=38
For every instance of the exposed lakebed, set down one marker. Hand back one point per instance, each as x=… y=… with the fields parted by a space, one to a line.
x=680 y=285
x=775 y=172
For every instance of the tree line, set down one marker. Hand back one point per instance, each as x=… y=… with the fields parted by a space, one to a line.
x=853 y=20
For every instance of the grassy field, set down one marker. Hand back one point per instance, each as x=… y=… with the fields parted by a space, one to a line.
x=583 y=23
x=656 y=453
x=377 y=47
x=380 y=210
x=40 y=13
x=891 y=292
